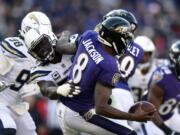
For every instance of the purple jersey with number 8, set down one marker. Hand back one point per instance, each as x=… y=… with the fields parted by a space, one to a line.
x=167 y=81
x=91 y=64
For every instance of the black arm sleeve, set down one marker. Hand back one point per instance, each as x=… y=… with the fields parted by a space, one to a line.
x=48 y=89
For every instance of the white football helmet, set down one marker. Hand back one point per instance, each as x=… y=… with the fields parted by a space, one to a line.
x=34 y=20
x=40 y=43
x=149 y=47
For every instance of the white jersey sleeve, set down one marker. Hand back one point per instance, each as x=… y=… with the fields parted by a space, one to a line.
x=29 y=90
x=139 y=82
x=56 y=73
x=6 y=64
x=14 y=47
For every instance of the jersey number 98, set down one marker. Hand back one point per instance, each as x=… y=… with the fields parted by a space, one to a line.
x=21 y=79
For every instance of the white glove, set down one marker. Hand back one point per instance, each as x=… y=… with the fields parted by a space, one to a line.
x=68 y=90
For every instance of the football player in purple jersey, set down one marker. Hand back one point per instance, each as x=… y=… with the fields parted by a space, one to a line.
x=96 y=71
x=164 y=94
x=121 y=97
x=128 y=63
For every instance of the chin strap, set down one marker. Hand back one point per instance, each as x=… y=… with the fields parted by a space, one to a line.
x=103 y=41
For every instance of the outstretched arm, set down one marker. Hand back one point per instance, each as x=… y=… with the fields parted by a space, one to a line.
x=53 y=92
x=66 y=43
x=102 y=94
x=48 y=89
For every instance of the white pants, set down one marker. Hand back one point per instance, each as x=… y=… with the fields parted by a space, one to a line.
x=173 y=123
x=72 y=123
x=121 y=100
x=23 y=124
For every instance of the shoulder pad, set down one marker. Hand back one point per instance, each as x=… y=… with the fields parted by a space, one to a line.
x=14 y=47
x=161 y=62
x=157 y=76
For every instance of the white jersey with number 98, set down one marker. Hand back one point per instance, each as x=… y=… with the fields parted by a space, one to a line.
x=14 y=49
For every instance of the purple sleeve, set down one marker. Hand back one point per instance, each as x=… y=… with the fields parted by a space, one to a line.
x=109 y=78
x=157 y=78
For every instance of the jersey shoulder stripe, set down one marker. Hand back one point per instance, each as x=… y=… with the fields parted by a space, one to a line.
x=12 y=50
x=38 y=73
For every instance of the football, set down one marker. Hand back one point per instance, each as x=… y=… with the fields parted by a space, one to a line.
x=145 y=106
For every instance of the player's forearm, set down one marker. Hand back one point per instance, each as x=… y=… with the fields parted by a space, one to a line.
x=66 y=48
x=114 y=113
x=66 y=44
x=48 y=89
x=158 y=121
x=50 y=92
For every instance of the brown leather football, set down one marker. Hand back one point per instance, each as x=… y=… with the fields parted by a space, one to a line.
x=145 y=106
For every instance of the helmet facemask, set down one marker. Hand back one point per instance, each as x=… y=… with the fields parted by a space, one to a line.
x=175 y=63
x=42 y=49
x=119 y=40
x=146 y=64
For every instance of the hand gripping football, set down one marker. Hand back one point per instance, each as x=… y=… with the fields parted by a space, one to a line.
x=143 y=105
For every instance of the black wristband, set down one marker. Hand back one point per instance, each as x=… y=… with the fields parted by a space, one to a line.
x=165 y=128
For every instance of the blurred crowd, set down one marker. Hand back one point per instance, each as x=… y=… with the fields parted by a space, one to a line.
x=157 y=19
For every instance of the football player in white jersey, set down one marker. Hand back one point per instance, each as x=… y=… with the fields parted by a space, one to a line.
x=15 y=70
x=139 y=81
x=15 y=64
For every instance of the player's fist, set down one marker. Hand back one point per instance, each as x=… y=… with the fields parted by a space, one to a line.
x=68 y=90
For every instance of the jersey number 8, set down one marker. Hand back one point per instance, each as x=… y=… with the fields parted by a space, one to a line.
x=82 y=61
x=168 y=106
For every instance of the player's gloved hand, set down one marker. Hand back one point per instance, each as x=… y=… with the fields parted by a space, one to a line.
x=68 y=90
x=63 y=37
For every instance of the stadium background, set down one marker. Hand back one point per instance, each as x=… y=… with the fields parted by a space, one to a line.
x=157 y=19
